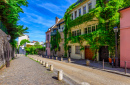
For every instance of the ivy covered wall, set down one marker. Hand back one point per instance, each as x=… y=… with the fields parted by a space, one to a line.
x=108 y=17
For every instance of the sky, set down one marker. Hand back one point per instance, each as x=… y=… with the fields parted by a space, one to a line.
x=40 y=15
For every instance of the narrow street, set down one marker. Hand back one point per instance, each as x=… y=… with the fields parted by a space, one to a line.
x=86 y=74
x=24 y=71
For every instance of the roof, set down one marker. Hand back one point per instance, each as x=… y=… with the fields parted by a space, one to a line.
x=124 y=8
x=61 y=21
x=55 y=25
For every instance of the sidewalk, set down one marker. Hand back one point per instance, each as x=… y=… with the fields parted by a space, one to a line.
x=81 y=73
x=99 y=65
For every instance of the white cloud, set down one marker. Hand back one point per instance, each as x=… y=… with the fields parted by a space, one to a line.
x=59 y=10
x=31 y=17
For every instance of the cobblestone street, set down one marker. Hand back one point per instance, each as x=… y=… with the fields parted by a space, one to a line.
x=90 y=75
x=24 y=71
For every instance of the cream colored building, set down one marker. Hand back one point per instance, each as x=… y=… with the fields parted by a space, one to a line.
x=81 y=29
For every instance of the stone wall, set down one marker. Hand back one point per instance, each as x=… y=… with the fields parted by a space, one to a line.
x=5 y=49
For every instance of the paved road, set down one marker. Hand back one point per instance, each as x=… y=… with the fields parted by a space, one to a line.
x=24 y=71
x=86 y=74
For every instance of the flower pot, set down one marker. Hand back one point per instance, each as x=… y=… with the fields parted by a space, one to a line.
x=110 y=60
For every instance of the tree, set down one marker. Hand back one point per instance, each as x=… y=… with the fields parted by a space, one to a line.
x=24 y=41
x=9 y=15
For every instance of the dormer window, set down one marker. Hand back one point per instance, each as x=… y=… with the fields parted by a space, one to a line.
x=84 y=10
x=75 y=14
x=89 y=6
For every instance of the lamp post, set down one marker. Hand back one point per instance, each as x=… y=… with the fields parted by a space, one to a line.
x=116 y=58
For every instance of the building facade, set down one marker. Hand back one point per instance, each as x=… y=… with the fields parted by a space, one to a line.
x=22 y=38
x=48 y=38
x=124 y=37
x=61 y=27
x=81 y=29
x=21 y=48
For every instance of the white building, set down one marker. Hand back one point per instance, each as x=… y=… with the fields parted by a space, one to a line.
x=21 y=48
x=22 y=38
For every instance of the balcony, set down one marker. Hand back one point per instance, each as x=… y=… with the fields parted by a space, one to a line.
x=53 y=33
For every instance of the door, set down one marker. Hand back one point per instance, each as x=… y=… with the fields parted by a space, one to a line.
x=46 y=52
x=103 y=53
x=88 y=53
x=69 y=51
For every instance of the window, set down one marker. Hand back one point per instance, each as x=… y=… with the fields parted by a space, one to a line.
x=77 y=49
x=59 y=26
x=93 y=28
x=54 y=30
x=89 y=29
x=80 y=12
x=59 y=49
x=47 y=37
x=89 y=6
x=78 y=32
x=84 y=10
x=72 y=16
x=75 y=14
x=74 y=33
x=86 y=30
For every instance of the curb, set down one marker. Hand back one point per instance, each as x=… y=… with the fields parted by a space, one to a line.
x=115 y=72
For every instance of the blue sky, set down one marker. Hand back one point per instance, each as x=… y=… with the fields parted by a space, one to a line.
x=40 y=15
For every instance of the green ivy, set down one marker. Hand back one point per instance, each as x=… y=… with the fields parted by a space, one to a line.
x=55 y=40
x=108 y=17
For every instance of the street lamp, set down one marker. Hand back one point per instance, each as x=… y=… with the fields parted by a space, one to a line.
x=116 y=58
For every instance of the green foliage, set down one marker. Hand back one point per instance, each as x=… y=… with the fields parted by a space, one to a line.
x=108 y=17
x=24 y=41
x=9 y=15
x=55 y=40
x=34 y=49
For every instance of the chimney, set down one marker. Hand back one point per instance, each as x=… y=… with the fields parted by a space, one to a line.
x=57 y=20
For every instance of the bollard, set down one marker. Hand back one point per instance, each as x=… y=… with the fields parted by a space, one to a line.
x=51 y=67
x=52 y=57
x=69 y=60
x=46 y=64
x=85 y=83
x=49 y=57
x=56 y=58
x=43 y=63
x=60 y=75
x=103 y=63
x=125 y=68
x=87 y=62
x=61 y=59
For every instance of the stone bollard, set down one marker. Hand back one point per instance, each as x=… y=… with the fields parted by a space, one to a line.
x=60 y=75
x=52 y=57
x=69 y=60
x=85 y=83
x=56 y=58
x=49 y=57
x=87 y=62
x=43 y=63
x=46 y=64
x=61 y=59
x=51 y=67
